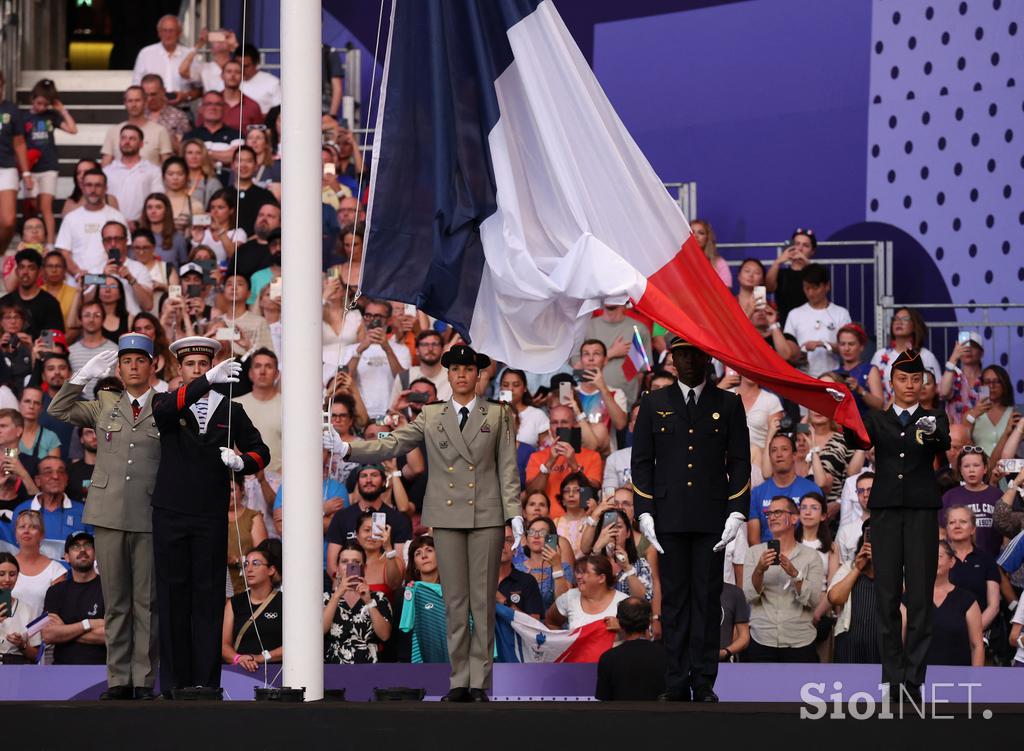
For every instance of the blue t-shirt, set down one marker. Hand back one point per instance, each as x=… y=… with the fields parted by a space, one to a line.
x=12 y=123
x=39 y=128
x=761 y=497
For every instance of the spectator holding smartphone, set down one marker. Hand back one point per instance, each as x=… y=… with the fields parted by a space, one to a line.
x=615 y=542
x=534 y=427
x=570 y=524
x=549 y=466
x=784 y=589
x=787 y=283
x=605 y=408
x=544 y=561
x=356 y=620
x=961 y=383
x=992 y=413
x=852 y=591
x=16 y=646
x=749 y=276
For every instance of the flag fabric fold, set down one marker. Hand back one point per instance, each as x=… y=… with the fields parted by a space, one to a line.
x=508 y=199
x=520 y=638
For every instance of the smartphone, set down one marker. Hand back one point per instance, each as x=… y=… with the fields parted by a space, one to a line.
x=586 y=495
x=760 y=296
x=964 y=337
x=551 y=541
x=329 y=169
x=379 y=520
x=217 y=36
x=777 y=547
x=1011 y=466
x=609 y=519
x=505 y=396
x=353 y=570
x=98 y=279
x=193 y=290
x=382 y=434
x=174 y=291
x=867 y=535
x=207 y=266
x=581 y=375
x=410 y=310
x=983 y=393
x=228 y=334
x=343 y=369
x=572 y=436
x=46 y=335
x=201 y=220
x=334 y=272
x=565 y=390
x=5 y=599
x=275 y=289
x=418 y=397
x=374 y=324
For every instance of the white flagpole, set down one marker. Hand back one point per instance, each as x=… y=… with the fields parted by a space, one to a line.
x=301 y=228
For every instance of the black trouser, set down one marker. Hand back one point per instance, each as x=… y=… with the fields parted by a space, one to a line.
x=191 y=566
x=691 y=608
x=904 y=553
x=760 y=653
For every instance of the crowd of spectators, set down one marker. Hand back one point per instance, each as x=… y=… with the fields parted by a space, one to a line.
x=174 y=230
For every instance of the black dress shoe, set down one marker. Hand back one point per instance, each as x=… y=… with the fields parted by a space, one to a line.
x=117 y=693
x=675 y=694
x=478 y=694
x=705 y=695
x=144 y=693
x=459 y=695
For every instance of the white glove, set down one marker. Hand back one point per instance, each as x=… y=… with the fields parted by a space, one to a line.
x=733 y=525
x=99 y=366
x=225 y=372
x=518 y=530
x=332 y=442
x=231 y=460
x=646 y=522
x=925 y=424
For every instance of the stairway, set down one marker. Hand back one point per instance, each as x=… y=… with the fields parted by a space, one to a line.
x=95 y=99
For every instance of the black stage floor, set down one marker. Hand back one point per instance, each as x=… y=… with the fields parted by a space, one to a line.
x=431 y=725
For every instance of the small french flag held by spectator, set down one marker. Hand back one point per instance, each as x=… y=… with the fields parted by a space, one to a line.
x=636 y=359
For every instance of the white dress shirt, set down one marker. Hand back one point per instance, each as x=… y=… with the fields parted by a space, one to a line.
x=154 y=58
x=697 y=390
x=131 y=185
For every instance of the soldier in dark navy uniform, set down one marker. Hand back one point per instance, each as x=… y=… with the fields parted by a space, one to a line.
x=905 y=500
x=691 y=479
x=190 y=504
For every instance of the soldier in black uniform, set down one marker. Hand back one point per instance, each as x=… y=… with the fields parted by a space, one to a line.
x=691 y=479
x=190 y=504
x=904 y=503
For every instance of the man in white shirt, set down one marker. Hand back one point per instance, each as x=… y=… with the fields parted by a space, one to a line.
x=134 y=277
x=165 y=58
x=92 y=341
x=850 y=532
x=429 y=346
x=815 y=324
x=131 y=178
x=616 y=467
x=80 y=238
x=156 y=139
x=258 y=84
x=376 y=359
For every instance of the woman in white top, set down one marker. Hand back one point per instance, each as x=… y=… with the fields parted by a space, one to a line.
x=16 y=647
x=815 y=533
x=222 y=236
x=906 y=331
x=37 y=572
x=340 y=329
x=533 y=422
x=762 y=407
x=595 y=599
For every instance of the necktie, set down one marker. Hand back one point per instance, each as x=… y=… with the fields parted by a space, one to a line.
x=136 y=409
x=691 y=406
x=463 y=416
x=201 y=406
x=905 y=418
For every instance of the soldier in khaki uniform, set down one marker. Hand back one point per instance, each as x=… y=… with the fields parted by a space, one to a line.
x=473 y=488
x=127 y=457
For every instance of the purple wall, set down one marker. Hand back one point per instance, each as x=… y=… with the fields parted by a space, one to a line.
x=764 y=104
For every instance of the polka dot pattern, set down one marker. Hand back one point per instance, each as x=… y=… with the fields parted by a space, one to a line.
x=946 y=149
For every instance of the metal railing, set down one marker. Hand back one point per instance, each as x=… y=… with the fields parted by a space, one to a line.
x=686 y=197
x=944 y=326
x=861 y=283
x=10 y=45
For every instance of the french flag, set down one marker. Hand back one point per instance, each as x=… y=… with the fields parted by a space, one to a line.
x=507 y=199
x=520 y=638
x=636 y=359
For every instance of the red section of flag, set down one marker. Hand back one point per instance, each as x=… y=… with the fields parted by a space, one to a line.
x=629 y=369
x=687 y=297
x=592 y=641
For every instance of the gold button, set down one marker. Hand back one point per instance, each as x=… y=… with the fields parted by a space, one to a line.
x=451 y=469
x=902 y=434
x=689 y=484
x=690 y=447
x=451 y=485
x=470 y=467
x=663 y=430
x=901 y=455
x=689 y=466
x=449 y=501
x=470 y=484
x=691 y=431
x=471 y=502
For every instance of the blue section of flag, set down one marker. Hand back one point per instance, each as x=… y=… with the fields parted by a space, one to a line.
x=434 y=184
